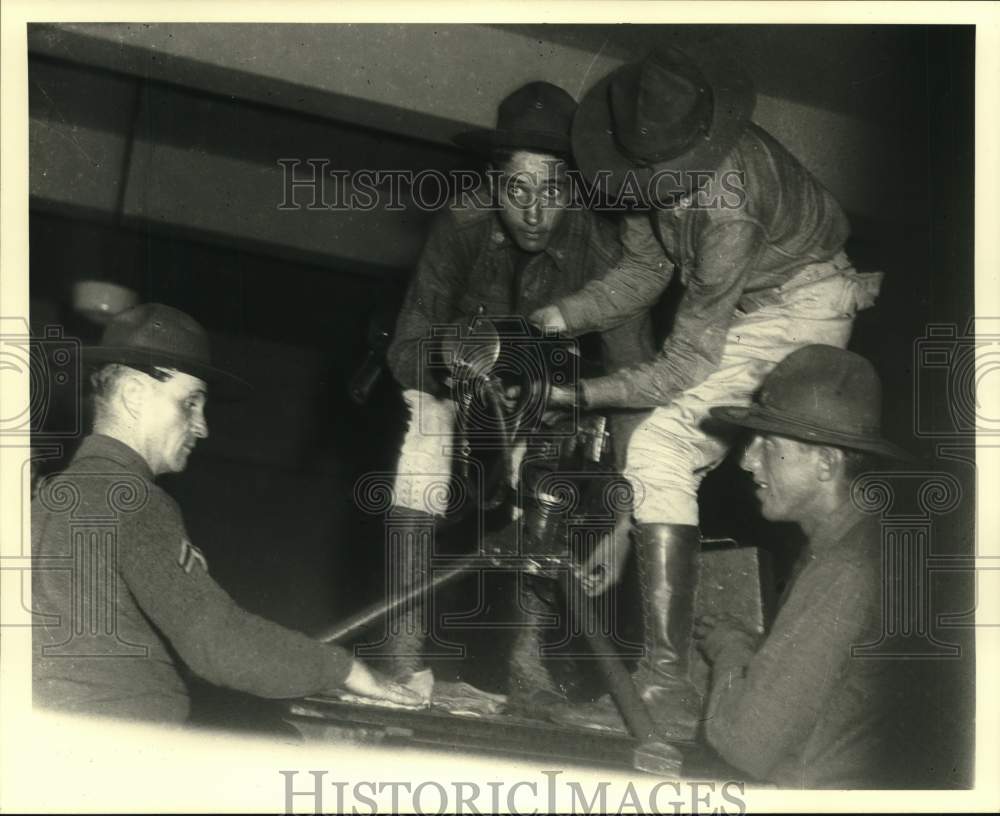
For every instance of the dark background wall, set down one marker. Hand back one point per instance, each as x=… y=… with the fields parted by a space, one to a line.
x=173 y=189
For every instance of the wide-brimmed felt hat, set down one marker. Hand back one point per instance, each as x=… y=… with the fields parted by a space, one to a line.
x=820 y=394
x=152 y=335
x=669 y=113
x=536 y=116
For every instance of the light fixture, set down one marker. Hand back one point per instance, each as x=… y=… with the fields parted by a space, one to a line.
x=101 y=300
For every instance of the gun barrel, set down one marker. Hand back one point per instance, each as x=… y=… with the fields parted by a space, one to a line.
x=360 y=620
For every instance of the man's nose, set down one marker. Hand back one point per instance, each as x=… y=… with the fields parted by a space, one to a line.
x=200 y=427
x=751 y=455
x=533 y=213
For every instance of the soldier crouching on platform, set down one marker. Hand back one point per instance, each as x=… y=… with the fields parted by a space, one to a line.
x=121 y=593
x=800 y=707
x=527 y=244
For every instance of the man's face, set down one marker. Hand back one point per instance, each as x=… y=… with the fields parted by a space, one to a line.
x=534 y=193
x=785 y=473
x=174 y=419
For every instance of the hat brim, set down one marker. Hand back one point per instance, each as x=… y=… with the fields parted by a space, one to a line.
x=225 y=386
x=485 y=142
x=757 y=419
x=601 y=160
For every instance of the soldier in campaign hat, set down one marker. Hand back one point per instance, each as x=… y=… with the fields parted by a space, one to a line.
x=757 y=244
x=800 y=707
x=517 y=243
x=123 y=594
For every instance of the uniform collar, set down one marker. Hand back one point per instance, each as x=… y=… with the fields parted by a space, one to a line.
x=100 y=446
x=845 y=538
x=566 y=247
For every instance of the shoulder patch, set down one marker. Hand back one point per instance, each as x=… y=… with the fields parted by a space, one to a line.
x=189 y=556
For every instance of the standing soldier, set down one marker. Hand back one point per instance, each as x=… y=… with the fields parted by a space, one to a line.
x=524 y=244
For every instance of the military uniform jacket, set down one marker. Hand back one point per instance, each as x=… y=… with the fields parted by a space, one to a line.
x=469 y=260
x=807 y=709
x=736 y=245
x=121 y=595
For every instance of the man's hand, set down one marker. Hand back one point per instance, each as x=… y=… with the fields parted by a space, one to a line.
x=716 y=633
x=560 y=397
x=548 y=319
x=367 y=683
x=606 y=564
x=554 y=411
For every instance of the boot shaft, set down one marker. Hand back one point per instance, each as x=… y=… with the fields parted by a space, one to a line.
x=668 y=572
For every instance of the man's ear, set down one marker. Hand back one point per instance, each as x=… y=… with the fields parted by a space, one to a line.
x=132 y=393
x=829 y=462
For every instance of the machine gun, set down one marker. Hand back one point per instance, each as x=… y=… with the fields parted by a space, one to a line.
x=555 y=472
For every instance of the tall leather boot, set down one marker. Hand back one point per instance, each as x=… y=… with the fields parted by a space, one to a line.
x=668 y=574
x=668 y=568
x=410 y=534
